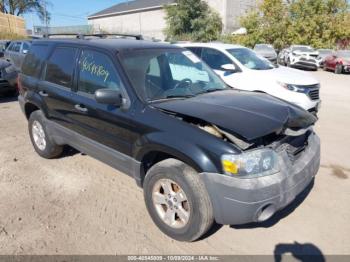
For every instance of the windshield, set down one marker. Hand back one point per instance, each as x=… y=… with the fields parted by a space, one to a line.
x=264 y=48
x=303 y=49
x=158 y=74
x=250 y=59
x=344 y=53
x=325 y=51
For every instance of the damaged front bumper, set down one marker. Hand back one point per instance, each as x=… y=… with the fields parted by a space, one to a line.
x=244 y=200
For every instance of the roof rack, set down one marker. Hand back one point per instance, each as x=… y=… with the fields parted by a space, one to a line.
x=84 y=36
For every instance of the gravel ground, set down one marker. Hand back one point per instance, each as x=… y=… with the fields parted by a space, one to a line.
x=77 y=205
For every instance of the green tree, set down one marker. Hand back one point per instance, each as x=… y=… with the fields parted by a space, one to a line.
x=320 y=23
x=192 y=20
x=20 y=7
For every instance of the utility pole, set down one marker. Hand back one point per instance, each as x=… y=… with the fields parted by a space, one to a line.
x=45 y=19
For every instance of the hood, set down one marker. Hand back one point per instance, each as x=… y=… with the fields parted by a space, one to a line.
x=298 y=52
x=346 y=60
x=270 y=77
x=246 y=114
x=289 y=76
x=267 y=53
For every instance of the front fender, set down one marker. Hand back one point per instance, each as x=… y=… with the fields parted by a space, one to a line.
x=186 y=151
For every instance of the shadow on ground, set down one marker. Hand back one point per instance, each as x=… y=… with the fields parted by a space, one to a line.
x=7 y=98
x=301 y=252
x=280 y=214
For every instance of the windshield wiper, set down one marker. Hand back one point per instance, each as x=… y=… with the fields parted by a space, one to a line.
x=172 y=97
x=211 y=90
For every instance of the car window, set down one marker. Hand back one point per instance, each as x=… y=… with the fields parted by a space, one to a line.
x=97 y=71
x=215 y=59
x=196 y=50
x=26 y=46
x=34 y=59
x=12 y=46
x=182 y=74
x=250 y=59
x=60 y=66
x=17 y=47
x=154 y=68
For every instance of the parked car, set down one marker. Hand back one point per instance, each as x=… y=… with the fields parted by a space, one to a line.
x=4 y=44
x=338 y=61
x=7 y=78
x=281 y=57
x=266 y=51
x=200 y=150
x=301 y=56
x=241 y=68
x=16 y=52
x=322 y=54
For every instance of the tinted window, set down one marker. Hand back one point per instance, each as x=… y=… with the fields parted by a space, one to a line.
x=60 y=66
x=250 y=59
x=215 y=59
x=96 y=71
x=34 y=60
x=196 y=50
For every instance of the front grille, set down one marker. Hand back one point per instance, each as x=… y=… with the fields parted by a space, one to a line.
x=308 y=60
x=294 y=146
x=314 y=94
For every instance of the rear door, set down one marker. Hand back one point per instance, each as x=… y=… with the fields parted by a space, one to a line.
x=106 y=124
x=58 y=80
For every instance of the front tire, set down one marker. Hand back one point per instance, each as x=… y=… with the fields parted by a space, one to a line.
x=177 y=200
x=338 y=69
x=40 y=137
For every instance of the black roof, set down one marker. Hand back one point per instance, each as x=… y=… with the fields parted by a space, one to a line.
x=130 y=6
x=110 y=44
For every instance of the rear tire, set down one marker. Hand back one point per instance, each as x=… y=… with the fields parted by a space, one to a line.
x=338 y=69
x=42 y=143
x=181 y=177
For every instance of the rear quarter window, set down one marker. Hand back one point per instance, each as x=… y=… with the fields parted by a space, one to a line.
x=34 y=60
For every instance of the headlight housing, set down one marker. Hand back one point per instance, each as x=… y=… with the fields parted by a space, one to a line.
x=256 y=163
x=294 y=88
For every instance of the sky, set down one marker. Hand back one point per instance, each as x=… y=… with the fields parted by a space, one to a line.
x=70 y=12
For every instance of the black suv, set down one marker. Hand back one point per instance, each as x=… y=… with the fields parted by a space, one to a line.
x=201 y=151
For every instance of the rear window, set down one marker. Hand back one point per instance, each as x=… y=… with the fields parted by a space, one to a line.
x=34 y=60
x=60 y=66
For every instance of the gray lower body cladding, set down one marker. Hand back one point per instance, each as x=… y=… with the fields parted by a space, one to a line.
x=240 y=201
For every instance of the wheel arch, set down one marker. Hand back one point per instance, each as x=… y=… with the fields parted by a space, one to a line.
x=155 y=153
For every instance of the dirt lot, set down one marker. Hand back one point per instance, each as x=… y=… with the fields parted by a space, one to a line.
x=77 y=205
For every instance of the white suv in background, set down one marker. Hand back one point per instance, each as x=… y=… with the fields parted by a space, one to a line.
x=302 y=56
x=242 y=68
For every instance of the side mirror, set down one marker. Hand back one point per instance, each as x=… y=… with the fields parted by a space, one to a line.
x=229 y=67
x=25 y=51
x=109 y=97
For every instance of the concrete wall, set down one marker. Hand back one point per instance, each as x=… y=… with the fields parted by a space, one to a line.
x=152 y=23
x=230 y=11
x=148 y=23
x=12 y=24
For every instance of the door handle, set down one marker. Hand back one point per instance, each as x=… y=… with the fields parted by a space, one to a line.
x=81 y=108
x=43 y=93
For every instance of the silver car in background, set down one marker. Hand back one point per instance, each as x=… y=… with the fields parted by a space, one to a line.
x=16 y=52
x=266 y=51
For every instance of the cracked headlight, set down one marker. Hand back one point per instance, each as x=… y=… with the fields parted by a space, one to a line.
x=256 y=163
